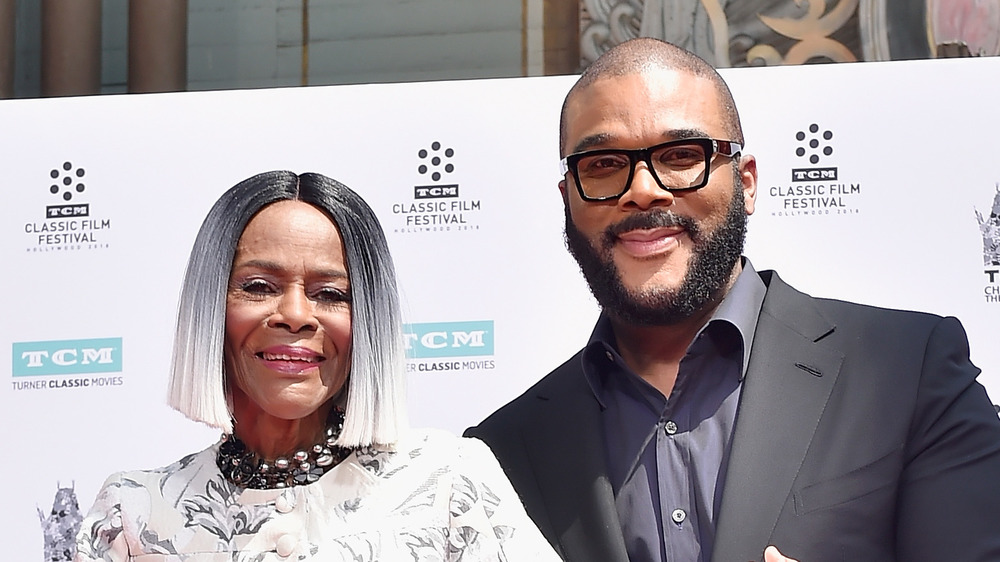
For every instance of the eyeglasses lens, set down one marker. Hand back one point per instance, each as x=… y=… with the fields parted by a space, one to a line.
x=677 y=166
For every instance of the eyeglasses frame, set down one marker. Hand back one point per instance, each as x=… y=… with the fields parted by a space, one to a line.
x=727 y=148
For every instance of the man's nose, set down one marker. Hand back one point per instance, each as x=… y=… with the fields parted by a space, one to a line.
x=644 y=192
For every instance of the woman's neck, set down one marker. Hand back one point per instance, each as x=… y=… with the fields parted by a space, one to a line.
x=272 y=437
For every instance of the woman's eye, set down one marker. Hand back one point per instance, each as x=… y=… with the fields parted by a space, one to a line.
x=332 y=295
x=256 y=287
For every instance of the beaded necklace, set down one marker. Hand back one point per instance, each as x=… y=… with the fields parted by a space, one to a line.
x=247 y=469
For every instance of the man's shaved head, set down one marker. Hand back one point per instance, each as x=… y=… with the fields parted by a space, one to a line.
x=645 y=55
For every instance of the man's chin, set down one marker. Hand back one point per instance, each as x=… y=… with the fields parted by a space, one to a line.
x=653 y=276
x=653 y=307
x=650 y=289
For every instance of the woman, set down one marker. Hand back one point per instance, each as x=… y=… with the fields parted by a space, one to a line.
x=289 y=340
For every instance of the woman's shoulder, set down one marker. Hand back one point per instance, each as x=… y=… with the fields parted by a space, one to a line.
x=187 y=467
x=419 y=442
x=432 y=449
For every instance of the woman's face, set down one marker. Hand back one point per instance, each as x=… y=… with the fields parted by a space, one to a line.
x=288 y=314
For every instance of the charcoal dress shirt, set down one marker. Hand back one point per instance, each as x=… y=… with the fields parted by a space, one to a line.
x=667 y=456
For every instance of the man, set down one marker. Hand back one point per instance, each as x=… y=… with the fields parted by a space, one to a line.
x=716 y=410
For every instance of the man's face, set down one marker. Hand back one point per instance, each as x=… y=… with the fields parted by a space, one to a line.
x=654 y=256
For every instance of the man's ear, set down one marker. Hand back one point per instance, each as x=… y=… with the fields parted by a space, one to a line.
x=562 y=189
x=748 y=179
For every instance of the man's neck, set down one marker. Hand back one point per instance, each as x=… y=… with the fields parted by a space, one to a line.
x=655 y=352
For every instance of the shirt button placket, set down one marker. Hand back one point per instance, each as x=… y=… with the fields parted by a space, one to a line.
x=286 y=544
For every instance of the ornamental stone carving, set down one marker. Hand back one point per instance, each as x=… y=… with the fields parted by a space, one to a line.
x=771 y=32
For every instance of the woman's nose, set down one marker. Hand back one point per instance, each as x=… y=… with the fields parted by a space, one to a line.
x=294 y=312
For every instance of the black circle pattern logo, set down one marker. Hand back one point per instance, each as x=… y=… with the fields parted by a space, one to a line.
x=816 y=143
x=433 y=161
x=67 y=180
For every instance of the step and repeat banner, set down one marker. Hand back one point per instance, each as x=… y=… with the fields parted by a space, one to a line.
x=879 y=183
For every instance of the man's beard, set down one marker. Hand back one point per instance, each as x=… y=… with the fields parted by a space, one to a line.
x=709 y=269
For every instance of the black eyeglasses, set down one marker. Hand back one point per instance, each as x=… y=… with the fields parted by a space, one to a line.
x=678 y=165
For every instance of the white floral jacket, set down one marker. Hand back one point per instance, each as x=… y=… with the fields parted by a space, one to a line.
x=435 y=498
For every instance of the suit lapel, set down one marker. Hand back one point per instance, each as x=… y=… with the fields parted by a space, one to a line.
x=577 y=491
x=788 y=382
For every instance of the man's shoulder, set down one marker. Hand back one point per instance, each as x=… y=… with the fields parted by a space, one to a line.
x=782 y=296
x=567 y=377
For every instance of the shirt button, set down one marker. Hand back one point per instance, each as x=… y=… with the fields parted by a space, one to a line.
x=284 y=503
x=678 y=515
x=670 y=428
x=609 y=356
x=286 y=545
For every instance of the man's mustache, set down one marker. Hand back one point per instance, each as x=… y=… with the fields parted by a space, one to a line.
x=654 y=218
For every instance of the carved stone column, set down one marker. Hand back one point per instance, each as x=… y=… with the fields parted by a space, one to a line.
x=71 y=47
x=157 y=45
x=561 y=36
x=7 y=48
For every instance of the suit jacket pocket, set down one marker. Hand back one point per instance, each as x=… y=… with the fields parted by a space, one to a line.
x=851 y=485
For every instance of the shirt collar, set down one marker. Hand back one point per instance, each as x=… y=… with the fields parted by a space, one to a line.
x=740 y=307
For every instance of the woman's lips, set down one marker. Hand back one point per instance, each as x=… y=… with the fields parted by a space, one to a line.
x=288 y=359
x=649 y=242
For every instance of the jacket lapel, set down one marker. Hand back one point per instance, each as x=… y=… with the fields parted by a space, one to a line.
x=577 y=491
x=788 y=382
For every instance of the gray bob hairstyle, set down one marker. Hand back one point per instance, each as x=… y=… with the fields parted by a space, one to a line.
x=375 y=403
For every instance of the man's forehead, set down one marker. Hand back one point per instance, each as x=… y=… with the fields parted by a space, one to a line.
x=666 y=89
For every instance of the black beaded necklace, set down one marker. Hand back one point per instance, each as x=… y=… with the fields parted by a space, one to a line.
x=247 y=469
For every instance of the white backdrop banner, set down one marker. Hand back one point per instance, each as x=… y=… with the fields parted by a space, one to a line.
x=878 y=183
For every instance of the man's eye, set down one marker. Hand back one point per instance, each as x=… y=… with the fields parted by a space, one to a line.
x=602 y=164
x=681 y=156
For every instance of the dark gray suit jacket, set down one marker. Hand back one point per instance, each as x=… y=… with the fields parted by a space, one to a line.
x=861 y=435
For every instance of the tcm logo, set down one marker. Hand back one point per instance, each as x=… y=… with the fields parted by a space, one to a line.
x=449 y=339
x=814 y=174
x=436 y=163
x=67 y=182
x=67 y=357
x=814 y=145
x=435 y=191
x=67 y=211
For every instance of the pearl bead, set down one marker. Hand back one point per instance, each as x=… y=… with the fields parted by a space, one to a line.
x=242 y=466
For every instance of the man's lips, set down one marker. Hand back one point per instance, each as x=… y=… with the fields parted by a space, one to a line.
x=648 y=242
